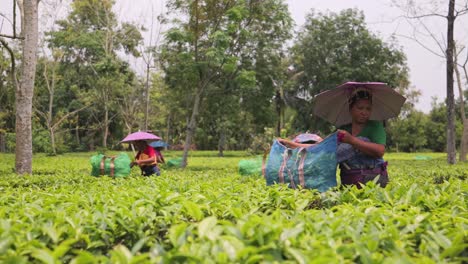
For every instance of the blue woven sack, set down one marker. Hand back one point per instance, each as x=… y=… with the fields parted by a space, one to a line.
x=311 y=168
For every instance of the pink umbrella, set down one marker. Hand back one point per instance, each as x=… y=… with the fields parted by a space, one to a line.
x=333 y=106
x=140 y=136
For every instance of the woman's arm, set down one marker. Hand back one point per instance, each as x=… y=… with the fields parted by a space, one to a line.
x=146 y=161
x=292 y=144
x=151 y=159
x=142 y=162
x=368 y=148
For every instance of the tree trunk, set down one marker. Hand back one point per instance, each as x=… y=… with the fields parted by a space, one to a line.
x=2 y=142
x=22 y=15
x=77 y=131
x=222 y=142
x=51 y=89
x=52 y=141
x=464 y=142
x=451 y=149
x=196 y=105
x=106 y=126
x=168 y=129
x=147 y=99
x=191 y=126
x=278 y=101
x=91 y=141
x=24 y=93
x=464 y=138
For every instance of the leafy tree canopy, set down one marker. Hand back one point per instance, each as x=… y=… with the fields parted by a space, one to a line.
x=337 y=47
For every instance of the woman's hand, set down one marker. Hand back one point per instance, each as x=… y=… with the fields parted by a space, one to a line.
x=133 y=163
x=286 y=143
x=345 y=137
x=368 y=148
x=282 y=140
x=291 y=144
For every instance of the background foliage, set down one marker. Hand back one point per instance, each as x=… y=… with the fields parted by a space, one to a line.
x=264 y=78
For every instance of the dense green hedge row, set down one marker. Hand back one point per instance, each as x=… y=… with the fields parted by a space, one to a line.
x=210 y=214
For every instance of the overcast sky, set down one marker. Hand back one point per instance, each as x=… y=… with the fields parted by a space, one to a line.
x=427 y=70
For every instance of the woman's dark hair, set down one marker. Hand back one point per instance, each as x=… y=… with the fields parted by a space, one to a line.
x=359 y=94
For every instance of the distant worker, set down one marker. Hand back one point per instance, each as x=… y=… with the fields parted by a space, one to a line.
x=146 y=159
x=159 y=155
x=159 y=147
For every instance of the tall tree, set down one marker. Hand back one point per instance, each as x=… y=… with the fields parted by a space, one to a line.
x=5 y=85
x=334 y=48
x=7 y=96
x=409 y=116
x=409 y=133
x=437 y=127
x=25 y=91
x=451 y=147
x=464 y=138
x=8 y=85
x=90 y=38
x=148 y=55
x=415 y=12
x=130 y=106
x=52 y=103
x=209 y=43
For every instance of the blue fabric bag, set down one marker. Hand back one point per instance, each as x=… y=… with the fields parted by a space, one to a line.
x=311 y=168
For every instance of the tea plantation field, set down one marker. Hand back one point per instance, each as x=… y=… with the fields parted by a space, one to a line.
x=209 y=213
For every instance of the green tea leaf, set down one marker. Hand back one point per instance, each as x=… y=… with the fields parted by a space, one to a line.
x=206 y=226
x=120 y=254
x=44 y=255
x=193 y=210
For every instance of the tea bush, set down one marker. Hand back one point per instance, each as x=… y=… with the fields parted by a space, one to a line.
x=208 y=213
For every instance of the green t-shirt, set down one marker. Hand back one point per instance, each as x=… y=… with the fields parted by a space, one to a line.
x=373 y=130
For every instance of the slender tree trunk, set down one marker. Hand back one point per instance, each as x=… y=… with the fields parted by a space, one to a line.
x=191 y=126
x=283 y=108
x=129 y=130
x=127 y=110
x=451 y=149
x=24 y=93
x=279 y=105
x=52 y=141
x=147 y=101
x=198 y=93
x=3 y=88
x=106 y=126
x=51 y=89
x=14 y=78
x=2 y=142
x=52 y=137
x=21 y=7
x=168 y=129
x=464 y=138
x=464 y=142
x=91 y=141
x=222 y=142
x=77 y=131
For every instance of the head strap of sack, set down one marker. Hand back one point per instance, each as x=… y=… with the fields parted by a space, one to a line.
x=358 y=94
